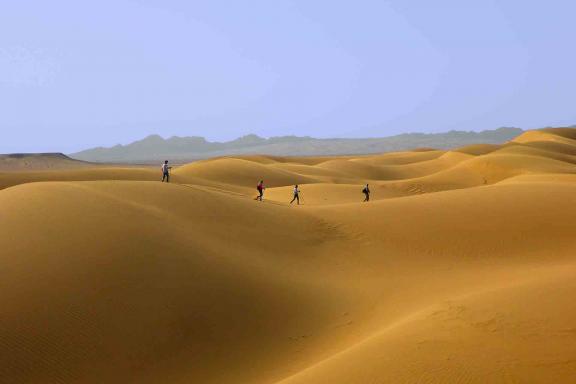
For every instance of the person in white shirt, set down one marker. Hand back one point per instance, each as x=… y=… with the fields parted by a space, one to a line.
x=296 y=195
x=166 y=172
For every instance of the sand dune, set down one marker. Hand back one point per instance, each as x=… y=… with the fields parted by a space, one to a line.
x=489 y=336
x=478 y=149
x=461 y=270
x=239 y=172
x=555 y=135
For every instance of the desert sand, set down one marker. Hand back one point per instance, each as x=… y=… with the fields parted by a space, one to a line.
x=461 y=269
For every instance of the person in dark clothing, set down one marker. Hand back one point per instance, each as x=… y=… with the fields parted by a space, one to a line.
x=366 y=192
x=296 y=195
x=260 y=189
x=166 y=172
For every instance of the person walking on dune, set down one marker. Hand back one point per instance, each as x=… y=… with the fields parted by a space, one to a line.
x=260 y=189
x=166 y=172
x=296 y=195
x=366 y=192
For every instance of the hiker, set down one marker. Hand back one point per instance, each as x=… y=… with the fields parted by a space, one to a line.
x=260 y=189
x=296 y=195
x=166 y=172
x=366 y=191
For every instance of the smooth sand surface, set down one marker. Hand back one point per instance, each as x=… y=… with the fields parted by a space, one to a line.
x=462 y=269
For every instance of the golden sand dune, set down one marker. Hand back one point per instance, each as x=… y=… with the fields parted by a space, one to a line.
x=478 y=149
x=533 y=150
x=9 y=179
x=556 y=135
x=489 y=336
x=401 y=158
x=461 y=270
x=239 y=172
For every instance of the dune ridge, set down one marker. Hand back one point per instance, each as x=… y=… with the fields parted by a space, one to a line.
x=460 y=270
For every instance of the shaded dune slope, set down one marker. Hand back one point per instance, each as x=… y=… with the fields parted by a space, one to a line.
x=151 y=283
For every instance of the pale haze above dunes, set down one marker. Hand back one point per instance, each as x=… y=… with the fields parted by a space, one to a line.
x=461 y=268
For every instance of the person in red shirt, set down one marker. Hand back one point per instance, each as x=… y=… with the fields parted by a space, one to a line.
x=260 y=189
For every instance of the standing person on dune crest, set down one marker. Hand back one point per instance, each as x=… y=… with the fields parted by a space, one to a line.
x=260 y=188
x=166 y=172
x=296 y=195
x=366 y=192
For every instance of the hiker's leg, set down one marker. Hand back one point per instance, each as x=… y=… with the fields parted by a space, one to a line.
x=298 y=199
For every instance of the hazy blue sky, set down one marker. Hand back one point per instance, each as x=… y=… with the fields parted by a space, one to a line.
x=77 y=74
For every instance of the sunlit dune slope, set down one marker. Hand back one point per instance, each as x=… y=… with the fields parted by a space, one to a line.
x=478 y=149
x=488 y=170
x=539 y=150
x=240 y=172
x=490 y=336
x=558 y=135
x=8 y=179
x=461 y=269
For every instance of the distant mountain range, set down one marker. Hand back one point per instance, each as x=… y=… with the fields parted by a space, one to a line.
x=180 y=149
